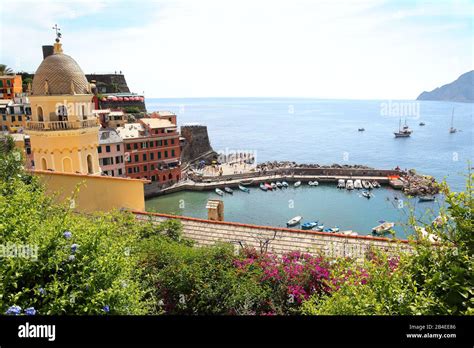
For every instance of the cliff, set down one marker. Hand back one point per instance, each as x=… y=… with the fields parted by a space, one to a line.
x=197 y=145
x=461 y=90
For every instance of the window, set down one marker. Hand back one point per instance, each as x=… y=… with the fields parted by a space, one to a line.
x=13 y=118
x=107 y=148
x=4 y=117
x=118 y=147
x=136 y=158
x=152 y=167
x=172 y=141
x=19 y=118
x=159 y=154
x=166 y=154
x=159 y=143
x=129 y=170
x=135 y=146
x=90 y=168
x=145 y=168
x=152 y=156
x=99 y=149
x=118 y=159
x=153 y=178
x=172 y=153
x=144 y=156
x=144 y=145
x=151 y=143
x=166 y=142
x=120 y=171
x=129 y=147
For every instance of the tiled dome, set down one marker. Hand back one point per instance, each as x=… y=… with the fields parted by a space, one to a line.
x=60 y=70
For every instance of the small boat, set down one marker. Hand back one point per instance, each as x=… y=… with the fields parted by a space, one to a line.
x=228 y=190
x=366 y=194
x=284 y=184
x=361 y=129
x=268 y=186
x=313 y=183
x=404 y=132
x=320 y=227
x=219 y=192
x=349 y=185
x=357 y=184
x=327 y=230
x=246 y=182
x=366 y=184
x=383 y=228
x=243 y=188
x=274 y=186
x=309 y=225
x=263 y=187
x=341 y=183
x=279 y=185
x=426 y=198
x=422 y=123
x=295 y=221
x=334 y=229
x=375 y=184
x=298 y=183
x=452 y=129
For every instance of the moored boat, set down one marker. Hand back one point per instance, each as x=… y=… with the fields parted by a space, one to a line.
x=375 y=184
x=383 y=227
x=366 y=194
x=357 y=184
x=334 y=229
x=422 y=123
x=295 y=221
x=263 y=187
x=219 y=192
x=349 y=185
x=296 y=184
x=426 y=198
x=309 y=225
x=228 y=190
x=320 y=227
x=279 y=185
x=274 y=186
x=366 y=184
x=341 y=183
x=284 y=184
x=268 y=186
x=243 y=188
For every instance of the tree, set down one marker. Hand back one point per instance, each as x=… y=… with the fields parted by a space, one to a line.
x=4 y=70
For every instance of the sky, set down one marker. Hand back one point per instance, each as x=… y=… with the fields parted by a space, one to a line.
x=337 y=49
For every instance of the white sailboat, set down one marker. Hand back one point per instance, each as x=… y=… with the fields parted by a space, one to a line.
x=452 y=129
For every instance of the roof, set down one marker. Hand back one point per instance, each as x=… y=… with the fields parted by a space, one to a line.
x=163 y=113
x=130 y=130
x=109 y=136
x=5 y=101
x=19 y=136
x=61 y=72
x=157 y=123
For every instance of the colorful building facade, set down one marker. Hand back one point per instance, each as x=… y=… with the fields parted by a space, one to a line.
x=152 y=148
x=111 y=153
x=10 y=86
x=14 y=113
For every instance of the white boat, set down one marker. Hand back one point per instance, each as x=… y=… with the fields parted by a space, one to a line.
x=341 y=183
x=404 y=132
x=263 y=187
x=228 y=190
x=219 y=192
x=314 y=183
x=426 y=198
x=366 y=194
x=284 y=184
x=320 y=227
x=279 y=185
x=349 y=185
x=375 y=184
x=334 y=229
x=366 y=184
x=274 y=186
x=383 y=227
x=244 y=189
x=298 y=183
x=295 y=221
x=357 y=184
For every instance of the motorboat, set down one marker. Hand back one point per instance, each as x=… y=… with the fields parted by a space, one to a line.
x=320 y=227
x=228 y=190
x=295 y=221
x=357 y=184
x=383 y=227
x=309 y=225
x=366 y=184
x=313 y=183
x=219 y=192
x=284 y=184
x=268 y=186
x=349 y=184
x=426 y=198
x=422 y=123
x=263 y=187
x=274 y=186
x=341 y=183
x=279 y=185
x=334 y=229
x=361 y=129
x=404 y=132
x=366 y=194
x=244 y=189
x=375 y=184
x=296 y=184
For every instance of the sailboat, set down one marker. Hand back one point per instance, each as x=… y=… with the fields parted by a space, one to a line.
x=452 y=129
x=402 y=133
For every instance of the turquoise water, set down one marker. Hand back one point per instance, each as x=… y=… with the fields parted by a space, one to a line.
x=325 y=132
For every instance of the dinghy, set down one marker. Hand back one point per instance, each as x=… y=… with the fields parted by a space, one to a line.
x=244 y=189
x=426 y=198
x=366 y=184
x=298 y=183
x=357 y=184
x=263 y=187
x=334 y=229
x=219 y=192
x=295 y=221
x=228 y=190
x=284 y=184
x=313 y=183
x=279 y=185
x=366 y=194
x=349 y=185
x=341 y=183
x=375 y=184
x=383 y=228
x=268 y=186
x=274 y=186
x=309 y=225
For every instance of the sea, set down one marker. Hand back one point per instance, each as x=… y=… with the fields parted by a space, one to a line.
x=326 y=132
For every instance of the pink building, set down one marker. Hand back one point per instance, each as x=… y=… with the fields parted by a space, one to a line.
x=111 y=153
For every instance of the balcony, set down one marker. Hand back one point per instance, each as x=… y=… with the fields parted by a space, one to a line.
x=60 y=125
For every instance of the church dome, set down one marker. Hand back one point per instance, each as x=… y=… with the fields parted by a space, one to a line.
x=63 y=76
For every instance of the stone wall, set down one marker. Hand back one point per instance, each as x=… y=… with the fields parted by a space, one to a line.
x=278 y=240
x=197 y=143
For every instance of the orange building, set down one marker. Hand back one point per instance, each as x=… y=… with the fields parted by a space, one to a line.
x=10 y=86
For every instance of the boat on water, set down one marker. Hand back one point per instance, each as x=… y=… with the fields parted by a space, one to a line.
x=366 y=194
x=357 y=184
x=404 y=132
x=375 y=184
x=366 y=184
x=422 y=123
x=295 y=221
x=361 y=129
x=244 y=189
x=274 y=186
x=384 y=227
x=263 y=187
x=296 y=184
x=284 y=184
x=219 y=192
x=341 y=183
x=313 y=183
x=268 y=186
x=452 y=129
x=349 y=185
x=309 y=225
x=279 y=184
x=334 y=229
x=320 y=227
x=228 y=190
x=246 y=182
x=426 y=198
x=350 y=233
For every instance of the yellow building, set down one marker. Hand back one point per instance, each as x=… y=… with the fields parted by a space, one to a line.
x=63 y=129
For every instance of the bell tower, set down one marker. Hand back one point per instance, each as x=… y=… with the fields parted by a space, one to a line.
x=62 y=129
